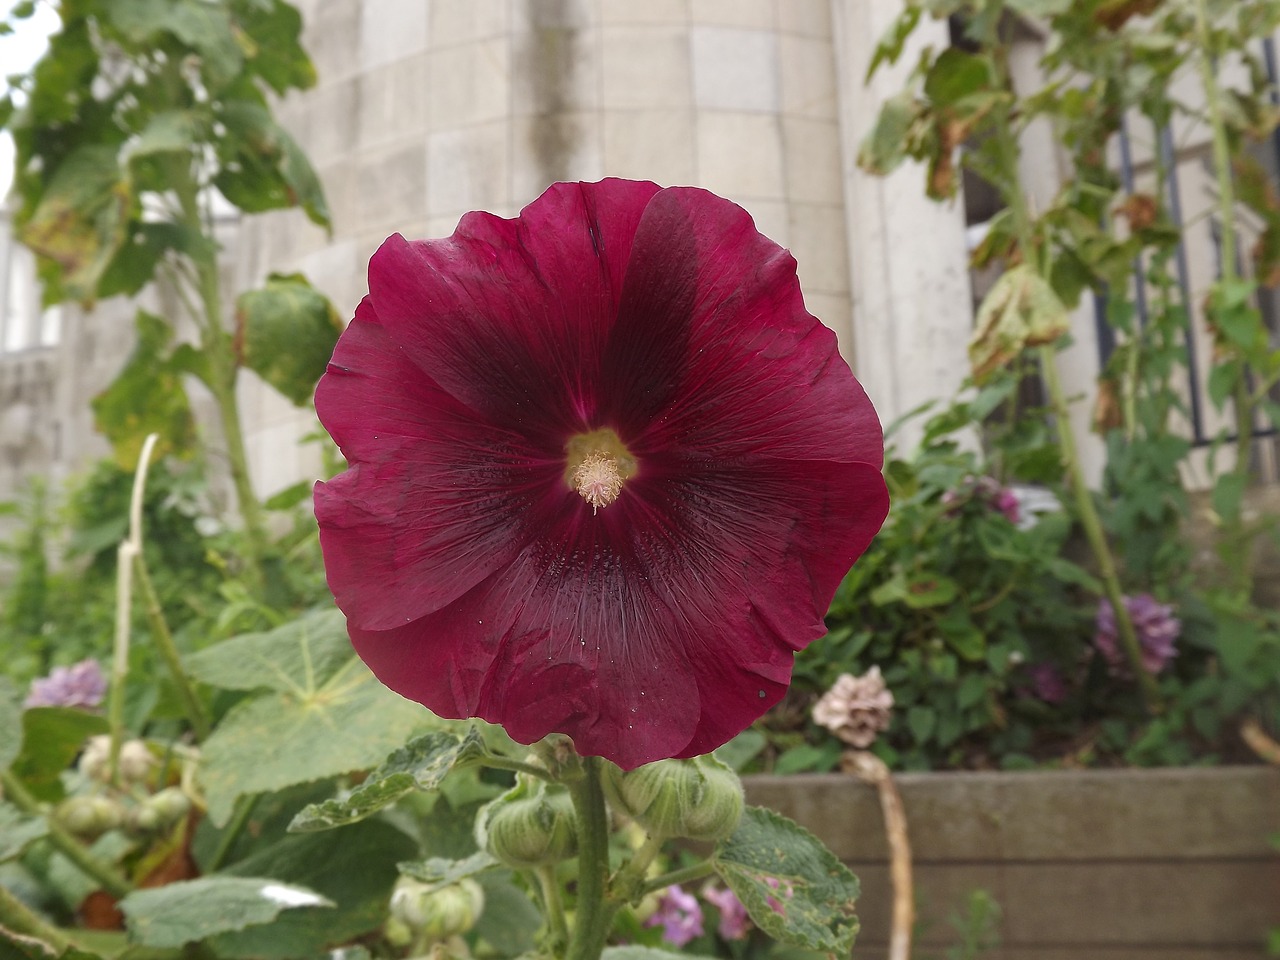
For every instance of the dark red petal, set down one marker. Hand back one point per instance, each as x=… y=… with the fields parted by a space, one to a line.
x=511 y=316
x=714 y=353
x=435 y=500
x=664 y=623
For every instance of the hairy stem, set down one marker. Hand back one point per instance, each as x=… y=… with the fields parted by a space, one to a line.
x=17 y=917
x=553 y=905
x=593 y=917
x=110 y=879
x=191 y=703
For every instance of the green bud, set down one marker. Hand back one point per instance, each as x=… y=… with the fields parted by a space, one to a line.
x=142 y=820
x=169 y=804
x=436 y=913
x=90 y=816
x=529 y=826
x=700 y=798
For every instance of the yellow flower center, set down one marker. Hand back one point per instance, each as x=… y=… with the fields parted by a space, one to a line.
x=598 y=463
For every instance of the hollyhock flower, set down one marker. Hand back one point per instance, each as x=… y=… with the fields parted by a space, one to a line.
x=855 y=709
x=605 y=473
x=79 y=685
x=679 y=916
x=988 y=492
x=734 y=923
x=1153 y=622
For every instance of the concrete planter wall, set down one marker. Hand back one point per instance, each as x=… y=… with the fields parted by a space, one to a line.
x=1169 y=864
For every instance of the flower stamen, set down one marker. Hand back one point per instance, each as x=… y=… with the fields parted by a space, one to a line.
x=597 y=480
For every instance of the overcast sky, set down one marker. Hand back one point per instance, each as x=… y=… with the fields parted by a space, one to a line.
x=18 y=52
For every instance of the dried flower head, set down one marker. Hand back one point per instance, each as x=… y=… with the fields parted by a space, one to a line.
x=856 y=709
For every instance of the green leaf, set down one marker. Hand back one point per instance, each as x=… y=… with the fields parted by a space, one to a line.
x=510 y=919
x=79 y=223
x=194 y=910
x=354 y=868
x=51 y=738
x=1222 y=381
x=262 y=167
x=146 y=397
x=1228 y=494
x=293 y=658
x=440 y=871
x=286 y=332
x=135 y=262
x=921 y=721
x=885 y=145
x=639 y=953
x=889 y=47
x=276 y=55
x=742 y=749
x=10 y=723
x=319 y=722
x=205 y=28
x=955 y=75
x=18 y=831
x=929 y=590
x=793 y=887
x=420 y=765
x=32 y=948
x=169 y=131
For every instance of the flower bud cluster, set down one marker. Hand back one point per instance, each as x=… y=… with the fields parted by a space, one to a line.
x=136 y=760
x=700 y=799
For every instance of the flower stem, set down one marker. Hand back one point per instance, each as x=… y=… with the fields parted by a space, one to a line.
x=17 y=917
x=591 y=922
x=220 y=377
x=630 y=879
x=1092 y=525
x=553 y=905
x=239 y=818
x=104 y=873
x=1228 y=276
x=169 y=653
x=518 y=766
x=683 y=875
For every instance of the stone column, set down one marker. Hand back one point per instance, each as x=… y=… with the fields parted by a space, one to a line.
x=912 y=305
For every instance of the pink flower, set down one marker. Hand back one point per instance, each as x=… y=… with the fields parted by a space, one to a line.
x=80 y=685
x=1155 y=625
x=855 y=709
x=734 y=923
x=606 y=472
x=679 y=915
x=1047 y=683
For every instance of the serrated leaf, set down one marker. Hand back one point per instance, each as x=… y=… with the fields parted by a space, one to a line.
x=286 y=332
x=51 y=738
x=440 y=871
x=18 y=831
x=420 y=765
x=193 y=910
x=205 y=28
x=793 y=887
x=354 y=868
x=349 y=723
x=294 y=658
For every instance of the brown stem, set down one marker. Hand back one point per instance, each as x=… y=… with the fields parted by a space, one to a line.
x=871 y=769
x=1257 y=740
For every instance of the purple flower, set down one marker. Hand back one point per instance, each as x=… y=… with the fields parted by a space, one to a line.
x=679 y=916
x=734 y=922
x=1154 y=623
x=80 y=685
x=988 y=492
x=1047 y=683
